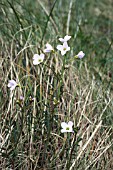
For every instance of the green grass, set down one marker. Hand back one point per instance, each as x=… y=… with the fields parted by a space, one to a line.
x=30 y=130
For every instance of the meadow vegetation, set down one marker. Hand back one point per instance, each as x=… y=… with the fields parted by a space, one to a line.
x=61 y=88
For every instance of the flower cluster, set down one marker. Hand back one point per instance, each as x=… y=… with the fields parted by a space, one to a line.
x=63 y=48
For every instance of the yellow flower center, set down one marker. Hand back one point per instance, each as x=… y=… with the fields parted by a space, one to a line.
x=64 y=49
x=39 y=60
x=67 y=128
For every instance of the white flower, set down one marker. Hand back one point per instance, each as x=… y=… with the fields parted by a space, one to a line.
x=12 y=84
x=37 y=59
x=31 y=99
x=63 y=48
x=21 y=98
x=48 y=49
x=67 y=127
x=80 y=54
x=65 y=39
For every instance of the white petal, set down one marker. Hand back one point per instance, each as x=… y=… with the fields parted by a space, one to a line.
x=9 y=84
x=12 y=88
x=65 y=45
x=36 y=62
x=63 y=130
x=42 y=56
x=48 y=46
x=47 y=51
x=70 y=130
x=63 y=52
x=35 y=56
x=12 y=81
x=61 y=39
x=59 y=47
x=63 y=125
x=80 y=53
x=70 y=123
x=68 y=49
x=67 y=37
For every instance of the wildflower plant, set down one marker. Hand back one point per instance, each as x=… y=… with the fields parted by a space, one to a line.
x=49 y=99
x=51 y=120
